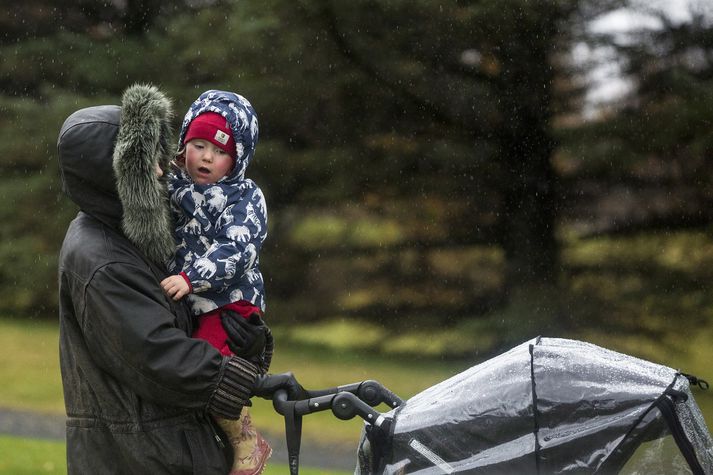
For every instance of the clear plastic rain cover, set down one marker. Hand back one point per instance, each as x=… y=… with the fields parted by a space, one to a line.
x=547 y=406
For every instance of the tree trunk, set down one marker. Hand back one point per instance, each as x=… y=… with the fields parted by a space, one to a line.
x=528 y=221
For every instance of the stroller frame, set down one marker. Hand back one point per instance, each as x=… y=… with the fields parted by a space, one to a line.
x=345 y=402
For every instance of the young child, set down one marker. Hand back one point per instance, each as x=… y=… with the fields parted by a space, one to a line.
x=221 y=223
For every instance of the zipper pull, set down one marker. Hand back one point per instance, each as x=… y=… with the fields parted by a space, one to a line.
x=217 y=438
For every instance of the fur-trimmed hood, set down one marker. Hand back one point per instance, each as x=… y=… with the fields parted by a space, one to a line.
x=107 y=158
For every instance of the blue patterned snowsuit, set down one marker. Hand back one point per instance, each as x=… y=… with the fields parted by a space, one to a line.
x=220 y=227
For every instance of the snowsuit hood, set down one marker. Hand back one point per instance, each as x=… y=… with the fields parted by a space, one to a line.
x=107 y=158
x=241 y=117
x=220 y=227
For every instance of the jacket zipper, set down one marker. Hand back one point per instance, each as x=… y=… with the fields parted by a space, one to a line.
x=217 y=438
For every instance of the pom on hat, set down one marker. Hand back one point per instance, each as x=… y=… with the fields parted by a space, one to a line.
x=212 y=127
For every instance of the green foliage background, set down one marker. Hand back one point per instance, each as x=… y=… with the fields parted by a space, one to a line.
x=396 y=200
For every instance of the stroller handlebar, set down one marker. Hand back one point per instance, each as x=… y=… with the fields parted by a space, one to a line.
x=368 y=393
x=279 y=399
x=357 y=399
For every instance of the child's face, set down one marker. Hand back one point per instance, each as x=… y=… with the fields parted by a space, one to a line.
x=205 y=162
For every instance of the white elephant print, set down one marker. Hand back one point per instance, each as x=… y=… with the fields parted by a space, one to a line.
x=252 y=276
x=225 y=218
x=198 y=199
x=238 y=233
x=201 y=305
x=182 y=245
x=253 y=217
x=205 y=267
x=204 y=219
x=241 y=115
x=178 y=197
x=193 y=227
x=261 y=205
x=244 y=101
x=250 y=256
x=233 y=108
x=230 y=267
x=236 y=295
x=216 y=200
x=200 y=285
x=253 y=128
x=205 y=243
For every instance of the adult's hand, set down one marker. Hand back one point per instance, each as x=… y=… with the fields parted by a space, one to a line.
x=266 y=385
x=246 y=337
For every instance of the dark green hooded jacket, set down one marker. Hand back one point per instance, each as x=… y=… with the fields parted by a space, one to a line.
x=138 y=391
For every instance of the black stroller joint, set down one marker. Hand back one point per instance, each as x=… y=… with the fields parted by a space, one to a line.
x=346 y=402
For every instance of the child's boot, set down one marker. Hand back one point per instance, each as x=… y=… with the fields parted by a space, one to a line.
x=251 y=456
x=250 y=449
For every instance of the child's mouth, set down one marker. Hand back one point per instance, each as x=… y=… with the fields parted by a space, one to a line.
x=204 y=170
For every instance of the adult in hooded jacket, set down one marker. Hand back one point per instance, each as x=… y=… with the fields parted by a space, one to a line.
x=138 y=391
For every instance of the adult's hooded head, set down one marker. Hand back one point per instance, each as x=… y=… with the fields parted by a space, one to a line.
x=108 y=156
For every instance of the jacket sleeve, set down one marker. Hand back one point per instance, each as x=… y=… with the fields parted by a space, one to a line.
x=240 y=232
x=132 y=335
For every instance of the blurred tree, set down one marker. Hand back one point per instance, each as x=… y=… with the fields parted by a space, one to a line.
x=408 y=148
x=139 y=15
x=39 y=18
x=477 y=74
x=657 y=140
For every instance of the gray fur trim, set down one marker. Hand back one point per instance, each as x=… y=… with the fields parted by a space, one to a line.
x=142 y=142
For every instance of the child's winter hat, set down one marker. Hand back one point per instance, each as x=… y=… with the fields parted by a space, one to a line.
x=241 y=121
x=214 y=128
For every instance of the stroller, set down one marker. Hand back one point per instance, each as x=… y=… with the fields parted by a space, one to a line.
x=546 y=406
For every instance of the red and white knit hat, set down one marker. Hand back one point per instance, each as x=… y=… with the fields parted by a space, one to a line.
x=212 y=127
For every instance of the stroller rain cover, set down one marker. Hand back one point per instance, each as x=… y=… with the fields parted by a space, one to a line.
x=547 y=406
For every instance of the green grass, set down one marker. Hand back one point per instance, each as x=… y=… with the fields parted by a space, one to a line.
x=20 y=456
x=30 y=370
x=32 y=381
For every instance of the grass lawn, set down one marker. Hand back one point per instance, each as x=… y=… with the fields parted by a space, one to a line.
x=32 y=382
x=20 y=456
x=30 y=370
